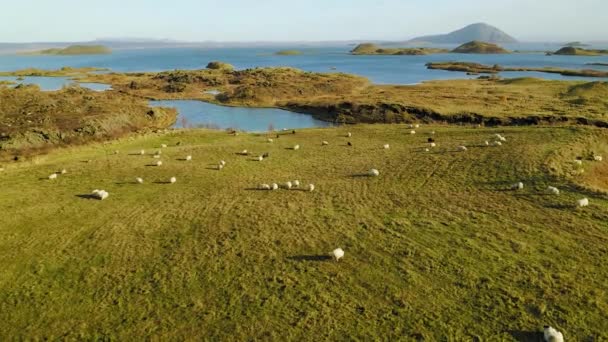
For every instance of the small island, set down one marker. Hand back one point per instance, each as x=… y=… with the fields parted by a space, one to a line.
x=574 y=51
x=598 y=64
x=373 y=49
x=480 y=48
x=476 y=68
x=74 y=50
x=575 y=44
x=288 y=53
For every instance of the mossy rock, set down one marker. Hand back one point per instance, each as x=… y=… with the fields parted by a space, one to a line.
x=217 y=65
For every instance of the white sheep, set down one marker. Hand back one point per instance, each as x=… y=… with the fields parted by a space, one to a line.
x=387 y=146
x=487 y=143
x=500 y=137
x=578 y=162
x=244 y=152
x=159 y=163
x=411 y=126
x=270 y=140
x=188 y=158
x=53 y=176
x=156 y=156
x=433 y=144
x=264 y=187
x=349 y=134
x=142 y=152
x=338 y=254
x=433 y=132
x=163 y=145
x=64 y=171
x=517 y=186
x=373 y=173
x=296 y=183
x=583 y=202
x=288 y=185
x=100 y=194
x=311 y=187
x=223 y=163
x=259 y=158
x=496 y=143
x=172 y=180
x=412 y=132
x=598 y=158
x=553 y=190
x=220 y=166
x=139 y=180
x=427 y=150
x=462 y=148
x=296 y=147
x=416 y=126
x=274 y=186
x=552 y=335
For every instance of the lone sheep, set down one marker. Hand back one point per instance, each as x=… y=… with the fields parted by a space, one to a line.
x=324 y=143
x=223 y=163
x=497 y=143
x=296 y=147
x=338 y=254
x=100 y=194
x=139 y=180
x=172 y=180
x=244 y=152
x=311 y=187
x=373 y=173
x=53 y=176
x=64 y=171
x=553 y=190
x=433 y=144
x=349 y=134
x=188 y=158
x=274 y=186
x=598 y=158
x=296 y=183
x=487 y=143
x=159 y=163
x=517 y=186
x=583 y=202
x=163 y=145
x=462 y=148
x=142 y=152
x=270 y=140
x=387 y=146
x=259 y=158
x=552 y=335
x=412 y=132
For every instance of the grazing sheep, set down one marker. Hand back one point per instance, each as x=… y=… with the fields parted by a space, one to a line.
x=487 y=143
x=159 y=163
x=462 y=148
x=220 y=166
x=578 y=162
x=433 y=144
x=156 y=156
x=53 y=176
x=598 y=158
x=270 y=140
x=412 y=132
x=583 y=202
x=311 y=187
x=64 y=171
x=373 y=173
x=100 y=194
x=142 y=152
x=172 y=180
x=188 y=158
x=517 y=186
x=349 y=134
x=264 y=187
x=223 y=163
x=259 y=158
x=427 y=150
x=410 y=126
x=496 y=143
x=416 y=126
x=324 y=143
x=139 y=180
x=386 y=146
x=244 y=152
x=296 y=183
x=274 y=186
x=433 y=132
x=163 y=145
x=500 y=137
x=288 y=185
x=338 y=254
x=296 y=147
x=553 y=190
x=552 y=335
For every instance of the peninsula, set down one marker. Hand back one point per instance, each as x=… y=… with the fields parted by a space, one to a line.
x=74 y=50
x=373 y=49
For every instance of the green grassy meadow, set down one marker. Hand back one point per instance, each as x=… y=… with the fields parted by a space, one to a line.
x=437 y=247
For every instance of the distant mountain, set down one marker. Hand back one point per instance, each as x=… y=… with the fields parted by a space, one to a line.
x=480 y=32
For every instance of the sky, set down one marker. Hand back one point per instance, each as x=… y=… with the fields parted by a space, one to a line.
x=303 y=20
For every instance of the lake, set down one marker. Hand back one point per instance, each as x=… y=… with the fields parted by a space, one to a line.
x=202 y=114
x=379 y=69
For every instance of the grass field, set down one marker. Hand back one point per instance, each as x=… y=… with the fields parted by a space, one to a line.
x=436 y=247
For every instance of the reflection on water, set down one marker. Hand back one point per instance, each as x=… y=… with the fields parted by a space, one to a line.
x=202 y=114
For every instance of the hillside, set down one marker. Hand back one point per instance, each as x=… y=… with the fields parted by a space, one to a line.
x=437 y=247
x=479 y=31
x=574 y=51
x=75 y=50
x=373 y=49
x=480 y=48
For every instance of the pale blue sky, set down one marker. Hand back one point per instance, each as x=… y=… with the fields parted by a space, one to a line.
x=285 y=20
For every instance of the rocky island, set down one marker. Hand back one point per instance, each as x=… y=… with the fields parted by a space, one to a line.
x=480 y=48
x=373 y=49
x=74 y=50
x=575 y=51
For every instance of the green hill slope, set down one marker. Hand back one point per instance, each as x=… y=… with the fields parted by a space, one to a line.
x=480 y=47
x=436 y=247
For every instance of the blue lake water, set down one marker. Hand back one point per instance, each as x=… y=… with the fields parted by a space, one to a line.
x=54 y=83
x=379 y=69
x=202 y=114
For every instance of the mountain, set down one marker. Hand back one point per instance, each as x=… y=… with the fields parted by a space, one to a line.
x=480 y=32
